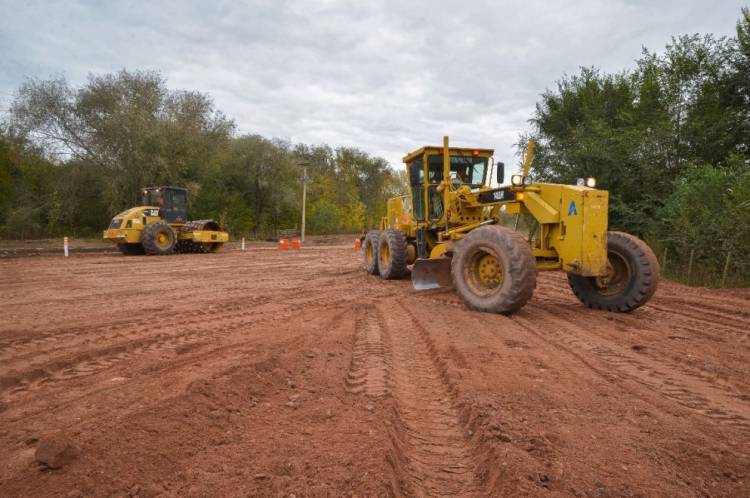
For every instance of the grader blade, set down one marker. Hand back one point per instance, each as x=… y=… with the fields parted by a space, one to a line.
x=431 y=274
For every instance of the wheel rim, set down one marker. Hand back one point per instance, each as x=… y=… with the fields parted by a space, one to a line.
x=370 y=255
x=483 y=272
x=385 y=255
x=618 y=275
x=163 y=239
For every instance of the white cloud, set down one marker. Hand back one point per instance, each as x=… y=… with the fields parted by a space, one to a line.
x=384 y=76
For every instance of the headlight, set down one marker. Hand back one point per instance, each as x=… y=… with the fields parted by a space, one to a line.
x=516 y=180
x=527 y=180
x=580 y=182
x=591 y=182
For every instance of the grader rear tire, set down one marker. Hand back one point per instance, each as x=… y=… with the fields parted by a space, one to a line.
x=632 y=279
x=158 y=239
x=370 y=251
x=392 y=254
x=494 y=270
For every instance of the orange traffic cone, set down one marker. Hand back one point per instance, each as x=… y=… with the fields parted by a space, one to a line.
x=283 y=244
x=296 y=244
x=357 y=244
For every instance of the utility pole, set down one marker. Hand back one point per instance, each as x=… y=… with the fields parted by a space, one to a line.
x=304 y=199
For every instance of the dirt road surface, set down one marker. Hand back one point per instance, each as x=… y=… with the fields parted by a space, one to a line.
x=270 y=373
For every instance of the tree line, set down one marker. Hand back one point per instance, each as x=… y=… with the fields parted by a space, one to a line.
x=71 y=158
x=670 y=140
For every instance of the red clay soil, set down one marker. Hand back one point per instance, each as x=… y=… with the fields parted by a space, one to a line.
x=269 y=373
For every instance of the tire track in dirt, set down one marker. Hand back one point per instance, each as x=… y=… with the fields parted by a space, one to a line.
x=368 y=372
x=680 y=323
x=725 y=313
x=722 y=308
x=430 y=455
x=702 y=320
x=558 y=310
x=658 y=377
x=82 y=300
x=59 y=331
x=225 y=350
x=671 y=357
x=667 y=379
x=66 y=338
x=735 y=298
x=72 y=338
x=153 y=372
x=186 y=333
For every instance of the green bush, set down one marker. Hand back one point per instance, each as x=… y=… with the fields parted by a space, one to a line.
x=708 y=214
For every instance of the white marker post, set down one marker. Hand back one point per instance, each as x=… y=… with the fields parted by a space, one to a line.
x=243 y=243
x=65 y=246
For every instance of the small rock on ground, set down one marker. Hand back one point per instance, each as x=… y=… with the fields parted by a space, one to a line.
x=55 y=452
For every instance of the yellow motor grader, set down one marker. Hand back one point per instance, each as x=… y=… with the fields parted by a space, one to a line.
x=447 y=230
x=159 y=226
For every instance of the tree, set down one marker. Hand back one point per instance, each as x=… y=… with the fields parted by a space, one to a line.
x=708 y=212
x=669 y=139
x=590 y=127
x=73 y=157
x=258 y=180
x=25 y=179
x=128 y=125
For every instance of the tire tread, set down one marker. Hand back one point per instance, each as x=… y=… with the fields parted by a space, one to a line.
x=521 y=269
x=148 y=239
x=647 y=278
x=372 y=238
x=397 y=244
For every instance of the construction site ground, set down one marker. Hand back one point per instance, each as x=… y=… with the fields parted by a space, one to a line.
x=280 y=373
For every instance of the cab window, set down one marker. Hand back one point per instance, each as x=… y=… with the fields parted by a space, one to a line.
x=470 y=170
x=179 y=200
x=416 y=181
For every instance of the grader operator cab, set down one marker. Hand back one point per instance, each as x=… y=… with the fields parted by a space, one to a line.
x=159 y=226
x=448 y=230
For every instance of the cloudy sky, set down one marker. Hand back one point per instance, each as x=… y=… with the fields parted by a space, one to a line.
x=384 y=76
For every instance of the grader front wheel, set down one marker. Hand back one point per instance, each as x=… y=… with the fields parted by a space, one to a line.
x=494 y=270
x=631 y=280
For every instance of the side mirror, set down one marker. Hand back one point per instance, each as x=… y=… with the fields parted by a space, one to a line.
x=500 y=173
